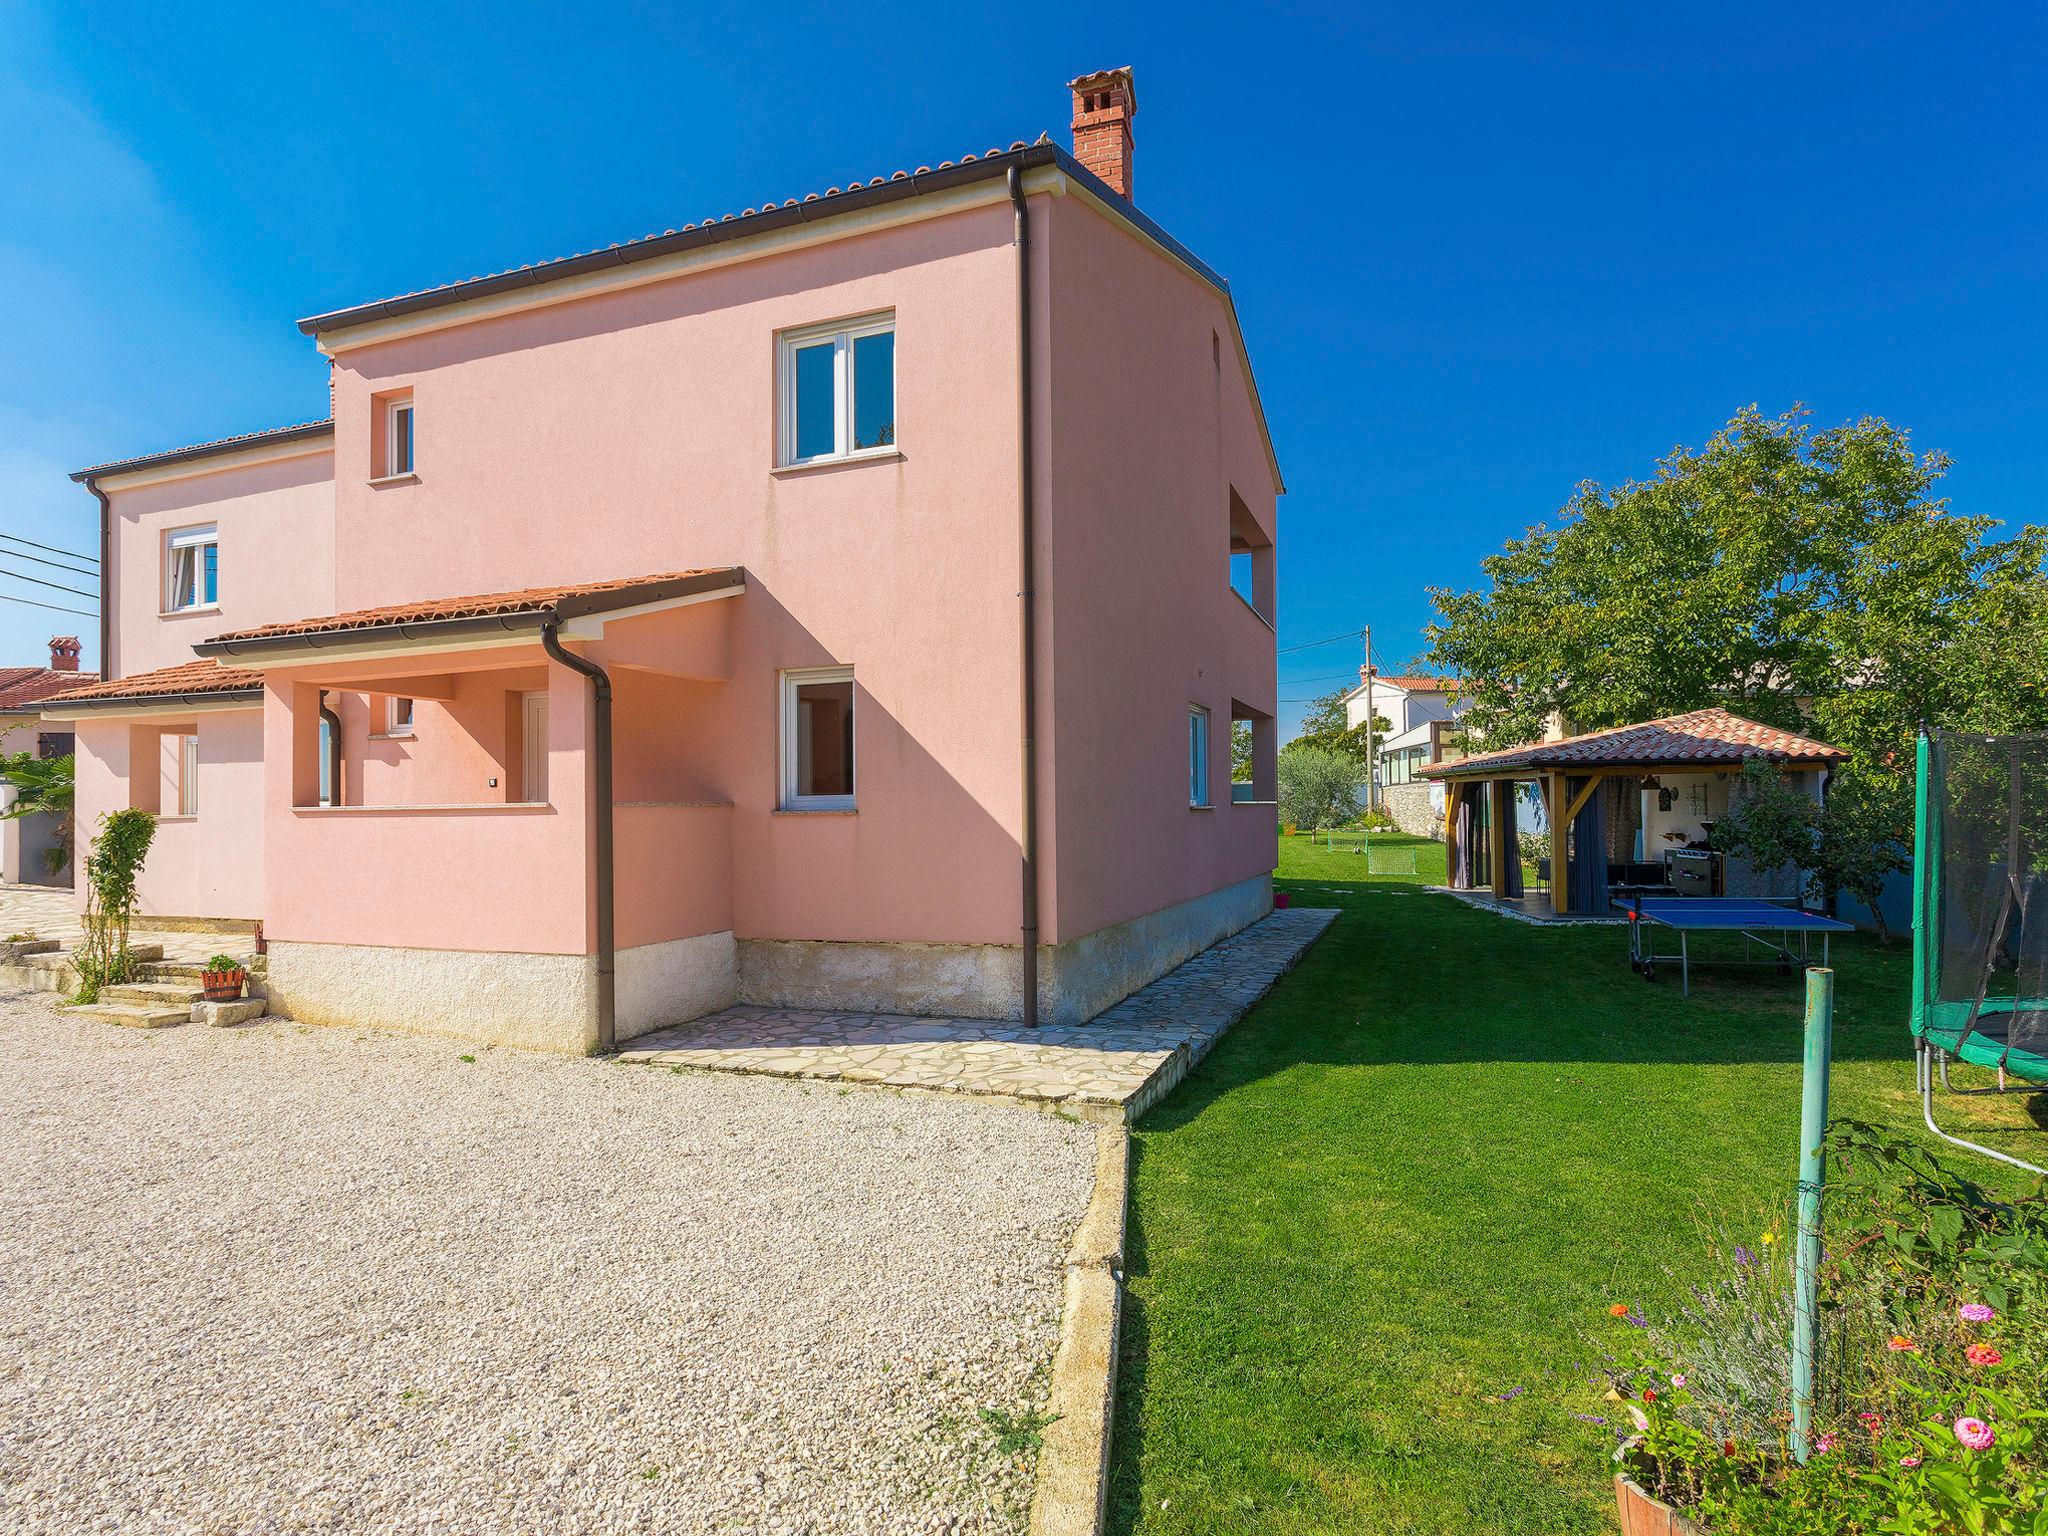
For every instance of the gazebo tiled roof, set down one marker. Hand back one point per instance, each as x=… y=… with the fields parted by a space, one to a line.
x=1705 y=737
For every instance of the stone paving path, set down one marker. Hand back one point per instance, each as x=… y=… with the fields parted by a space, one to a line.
x=51 y=913
x=1114 y=1067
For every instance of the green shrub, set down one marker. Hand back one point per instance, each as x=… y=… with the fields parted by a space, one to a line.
x=111 y=868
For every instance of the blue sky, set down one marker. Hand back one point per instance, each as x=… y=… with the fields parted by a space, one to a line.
x=1481 y=253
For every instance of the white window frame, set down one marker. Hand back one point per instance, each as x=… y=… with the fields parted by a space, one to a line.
x=1198 y=756
x=392 y=408
x=842 y=334
x=394 y=725
x=789 y=799
x=188 y=775
x=198 y=539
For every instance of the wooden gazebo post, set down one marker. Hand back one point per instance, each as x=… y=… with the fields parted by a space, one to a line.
x=1553 y=809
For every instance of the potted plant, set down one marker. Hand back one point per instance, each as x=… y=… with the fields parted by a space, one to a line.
x=223 y=979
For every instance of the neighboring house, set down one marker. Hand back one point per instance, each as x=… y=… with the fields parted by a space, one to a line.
x=1422 y=713
x=1630 y=806
x=25 y=841
x=646 y=630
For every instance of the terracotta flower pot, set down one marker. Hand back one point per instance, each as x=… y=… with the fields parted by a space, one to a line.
x=1644 y=1514
x=223 y=986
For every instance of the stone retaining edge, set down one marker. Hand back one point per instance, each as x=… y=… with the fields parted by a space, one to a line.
x=1072 y=1495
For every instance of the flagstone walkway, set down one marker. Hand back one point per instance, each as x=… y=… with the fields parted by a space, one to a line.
x=1112 y=1068
x=50 y=912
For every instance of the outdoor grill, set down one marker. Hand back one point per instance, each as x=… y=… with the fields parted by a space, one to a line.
x=1696 y=871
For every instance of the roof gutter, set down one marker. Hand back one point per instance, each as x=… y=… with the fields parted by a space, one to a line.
x=601 y=788
x=131 y=700
x=1027 y=618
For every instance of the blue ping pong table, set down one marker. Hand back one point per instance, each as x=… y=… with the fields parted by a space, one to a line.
x=1748 y=916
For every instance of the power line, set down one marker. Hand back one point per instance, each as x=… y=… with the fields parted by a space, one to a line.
x=1351 y=634
x=50 y=548
x=8 y=597
x=55 y=565
x=57 y=585
x=1327 y=677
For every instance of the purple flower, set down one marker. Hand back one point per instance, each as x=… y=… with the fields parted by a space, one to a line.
x=1743 y=1257
x=1589 y=1418
x=1975 y=1312
x=1511 y=1394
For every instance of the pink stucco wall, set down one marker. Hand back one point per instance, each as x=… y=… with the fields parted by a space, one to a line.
x=276 y=525
x=209 y=865
x=634 y=433
x=1152 y=428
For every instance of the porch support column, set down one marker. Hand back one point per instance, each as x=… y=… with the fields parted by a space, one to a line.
x=1451 y=833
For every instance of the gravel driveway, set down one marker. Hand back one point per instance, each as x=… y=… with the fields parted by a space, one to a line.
x=284 y=1279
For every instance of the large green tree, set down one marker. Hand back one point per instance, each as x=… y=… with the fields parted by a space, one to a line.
x=1808 y=578
x=1323 y=725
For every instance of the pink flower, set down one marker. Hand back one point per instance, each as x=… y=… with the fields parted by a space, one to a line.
x=1678 y=1381
x=1975 y=1433
x=1983 y=1354
x=1824 y=1444
x=1975 y=1312
x=1871 y=1420
x=1909 y=1461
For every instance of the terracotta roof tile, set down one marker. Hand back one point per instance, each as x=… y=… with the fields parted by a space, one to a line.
x=1701 y=736
x=22 y=686
x=481 y=605
x=191 y=677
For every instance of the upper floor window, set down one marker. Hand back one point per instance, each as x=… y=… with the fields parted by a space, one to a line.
x=838 y=391
x=400 y=436
x=401 y=717
x=817 y=739
x=192 y=569
x=1198 y=755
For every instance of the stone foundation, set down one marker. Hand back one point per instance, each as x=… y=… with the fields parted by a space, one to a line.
x=549 y=1002
x=540 y=1002
x=1077 y=979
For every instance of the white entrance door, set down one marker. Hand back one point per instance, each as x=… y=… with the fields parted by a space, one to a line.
x=533 y=765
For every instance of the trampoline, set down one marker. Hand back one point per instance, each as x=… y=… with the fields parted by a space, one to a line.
x=1980 y=917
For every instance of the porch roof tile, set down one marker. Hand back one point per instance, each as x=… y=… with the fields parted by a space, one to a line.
x=1700 y=736
x=559 y=602
x=187 y=679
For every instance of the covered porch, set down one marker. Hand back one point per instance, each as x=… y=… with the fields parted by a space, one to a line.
x=1628 y=810
x=497 y=816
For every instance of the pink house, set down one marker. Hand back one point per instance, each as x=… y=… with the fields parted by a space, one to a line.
x=828 y=605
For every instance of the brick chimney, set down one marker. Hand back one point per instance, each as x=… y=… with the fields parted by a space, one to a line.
x=1104 y=104
x=64 y=653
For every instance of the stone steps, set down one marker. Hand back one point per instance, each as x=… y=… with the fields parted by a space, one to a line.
x=133 y=1015
x=166 y=994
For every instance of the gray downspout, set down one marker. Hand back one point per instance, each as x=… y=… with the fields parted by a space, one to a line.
x=334 y=795
x=1027 y=618
x=601 y=788
x=106 y=578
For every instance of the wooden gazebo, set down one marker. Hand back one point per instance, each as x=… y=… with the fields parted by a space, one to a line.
x=1690 y=755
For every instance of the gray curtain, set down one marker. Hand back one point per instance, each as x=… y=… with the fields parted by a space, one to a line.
x=1510 y=844
x=1461 y=871
x=1589 y=849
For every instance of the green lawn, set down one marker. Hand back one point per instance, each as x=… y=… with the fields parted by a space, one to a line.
x=1411 y=1182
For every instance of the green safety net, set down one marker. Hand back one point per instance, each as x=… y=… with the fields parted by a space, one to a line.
x=1981 y=934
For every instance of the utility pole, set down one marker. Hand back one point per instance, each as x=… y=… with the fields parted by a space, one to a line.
x=1371 y=768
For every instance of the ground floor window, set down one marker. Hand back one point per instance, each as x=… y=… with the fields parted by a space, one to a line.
x=817 y=739
x=1198 y=755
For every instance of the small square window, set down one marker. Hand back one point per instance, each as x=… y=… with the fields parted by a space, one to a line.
x=817 y=739
x=401 y=436
x=401 y=717
x=192 y=569
x=1198 y=755
x=838 y=391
